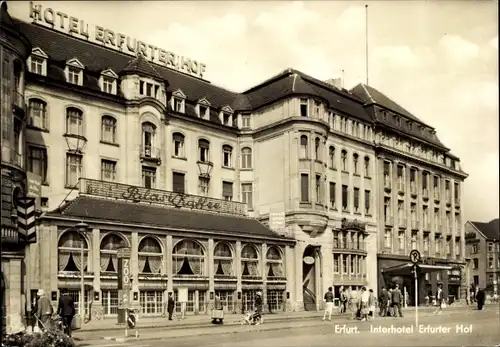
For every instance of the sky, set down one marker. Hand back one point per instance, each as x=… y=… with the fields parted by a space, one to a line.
x=437 y=59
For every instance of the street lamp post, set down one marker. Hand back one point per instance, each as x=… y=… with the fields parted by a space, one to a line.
x=82 y=228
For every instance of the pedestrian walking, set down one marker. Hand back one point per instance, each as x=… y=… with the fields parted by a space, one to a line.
x=66 y=310
x=371 y=305
x=383 y=302
x=364 y=304
x=343 y=301
x=396 y=299
x=170 y=305
x=439 y=299
x=329 y=304
x=480 y=297
x=218 y=311
x=44 y=309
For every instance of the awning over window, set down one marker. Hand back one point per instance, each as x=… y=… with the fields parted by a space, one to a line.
x=405 y=269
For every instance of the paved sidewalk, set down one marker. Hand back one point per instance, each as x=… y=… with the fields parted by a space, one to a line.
x=205 y=320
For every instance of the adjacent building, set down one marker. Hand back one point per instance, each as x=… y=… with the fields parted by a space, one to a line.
x=483 y=253
x=15 y=48
x=287 y=188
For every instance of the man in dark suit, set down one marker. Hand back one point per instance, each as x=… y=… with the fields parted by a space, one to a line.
x=170 y=305
x=396 y=300
x=383 y=301
x=480 y=296
x=66 y=310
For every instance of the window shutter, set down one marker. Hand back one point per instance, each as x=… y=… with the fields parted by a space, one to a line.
x=178 y=182
x=227 y=189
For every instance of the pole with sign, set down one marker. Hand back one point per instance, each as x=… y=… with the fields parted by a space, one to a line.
x=124 y=282
x=415 y=259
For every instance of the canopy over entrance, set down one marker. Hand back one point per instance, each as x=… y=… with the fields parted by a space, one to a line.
x=405 y=269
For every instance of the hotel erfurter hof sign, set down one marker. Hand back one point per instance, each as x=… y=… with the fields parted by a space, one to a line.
x=59 y=21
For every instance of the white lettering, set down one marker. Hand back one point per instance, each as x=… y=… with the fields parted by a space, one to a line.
x=344 y=329
x=463 y=329
x=72 y=25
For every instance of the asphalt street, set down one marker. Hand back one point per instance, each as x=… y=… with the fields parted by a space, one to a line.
x=470 y=328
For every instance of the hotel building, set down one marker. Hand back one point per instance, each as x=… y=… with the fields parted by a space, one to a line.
x=277 y=189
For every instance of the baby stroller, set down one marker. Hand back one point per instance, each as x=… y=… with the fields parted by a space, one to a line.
x=252 y=318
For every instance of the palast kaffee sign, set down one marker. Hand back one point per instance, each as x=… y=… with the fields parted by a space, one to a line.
x=74 y=26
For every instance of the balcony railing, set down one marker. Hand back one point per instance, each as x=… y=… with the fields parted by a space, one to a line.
x=425 y=193
x=18 y=100
x=389 y=220
x=151 y=153
x=387 y=182
x=11 y=157
x=9 y=234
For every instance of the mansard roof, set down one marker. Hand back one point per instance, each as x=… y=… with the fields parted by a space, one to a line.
x=372 y=96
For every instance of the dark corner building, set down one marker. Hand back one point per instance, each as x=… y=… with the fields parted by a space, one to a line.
x=420 y=186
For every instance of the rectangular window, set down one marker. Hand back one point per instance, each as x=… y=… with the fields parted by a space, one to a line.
x=151 y=302
x=304 y=187
x=401 y=240
x=37 y=162
x=333 y=191
x=38 y=114
x=336 y=263
x=74 y=76
x=108 y=170
x=74 y=122
x=490 y=263
x=356 y=200
x=203 y=186
x=178 y=145
x=227 y=191
x=245 y=121
x=414 y=240
x=353 y=265
x=345 y=198
x=108 y=131
x=178 y=182
x=426 y=243
x=203 y=111
x=36 y=65
x=73 y=169
x=476 y=264
x=344 y=264
x=303 y=107
x=177 y=105
x=318 y=188
x=317 y=106
x=148 y=177
x=336 y=243
x=227 y=156
x=247 y=194
x=437 y=244
x=107 y=85
x=367 y=202
x=388 y=238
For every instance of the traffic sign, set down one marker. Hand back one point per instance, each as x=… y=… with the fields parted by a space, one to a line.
x=415 y=256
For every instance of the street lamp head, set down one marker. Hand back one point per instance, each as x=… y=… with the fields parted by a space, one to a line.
x=82 y=227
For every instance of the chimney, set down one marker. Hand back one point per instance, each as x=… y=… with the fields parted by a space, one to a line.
x=335 y=82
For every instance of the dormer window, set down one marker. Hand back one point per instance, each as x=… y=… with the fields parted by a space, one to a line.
x=410 y=126
x=317 y=106
x=226 y=116
x=108 y=81
x=245 y=121
x=304 y=107
x=398 y=120
x=74 y=72
x=149 y=88
x=37 y=62
x=177 y=102
x=203 y=109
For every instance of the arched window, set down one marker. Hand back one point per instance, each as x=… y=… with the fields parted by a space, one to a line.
x=148 y=139
x=38 y=114
x=150 y=256
x=223 y=260
x=249 y=261
x=331 y=157
x=246 y=158
x=69 y=252
x=274 y=262
x=188 y=258
x=74 y=121
x=109 y=246
x=367 y=166
x=344 y=160
x=178 y=143
x=303 y=147
x=108 y=129
x=317 y=150
x=227 y=156
x=355 y=159
x=204 y=150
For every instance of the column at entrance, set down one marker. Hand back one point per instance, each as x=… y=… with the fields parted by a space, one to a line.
x=318 y=279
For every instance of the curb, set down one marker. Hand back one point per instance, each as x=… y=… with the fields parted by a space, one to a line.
x=268 y=318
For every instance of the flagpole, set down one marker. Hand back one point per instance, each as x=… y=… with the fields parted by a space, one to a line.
x=366 y=41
